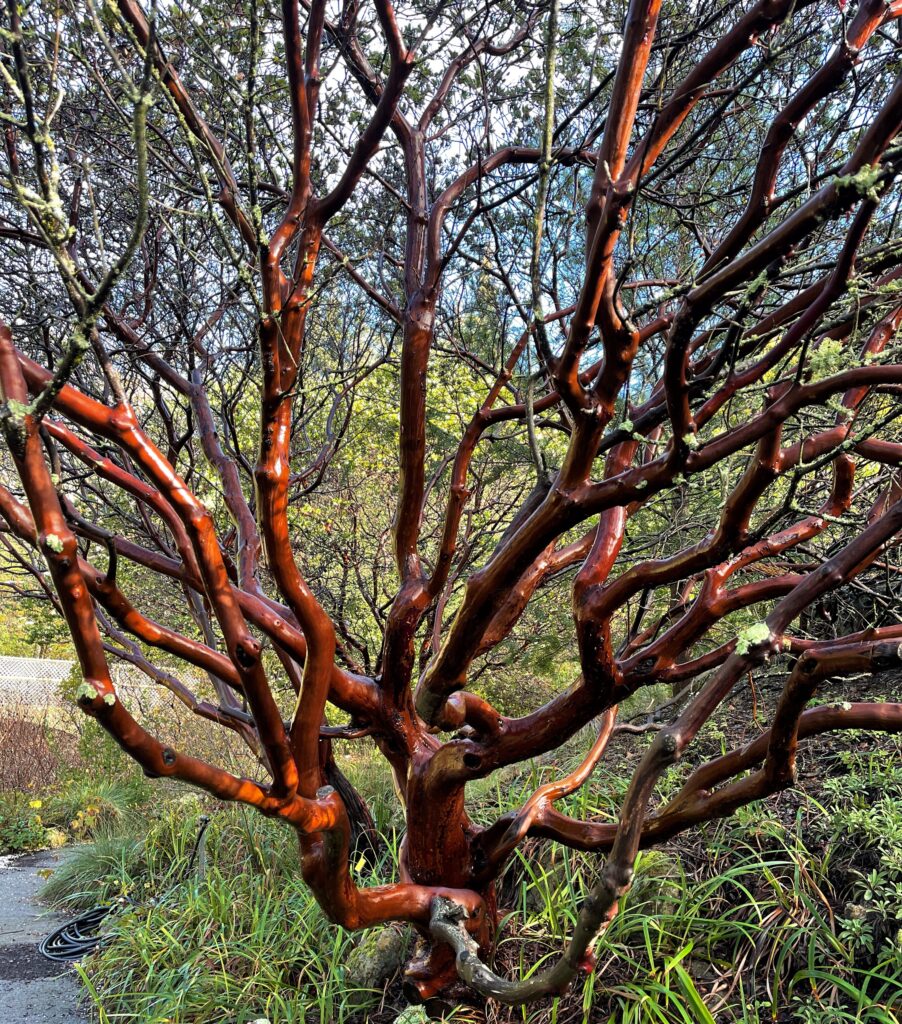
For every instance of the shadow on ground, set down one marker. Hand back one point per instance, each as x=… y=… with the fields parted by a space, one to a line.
x=32 y=989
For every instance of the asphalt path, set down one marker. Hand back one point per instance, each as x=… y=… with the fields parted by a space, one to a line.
x=33 y=990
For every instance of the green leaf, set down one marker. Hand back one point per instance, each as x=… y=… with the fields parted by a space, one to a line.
x=702 y=1013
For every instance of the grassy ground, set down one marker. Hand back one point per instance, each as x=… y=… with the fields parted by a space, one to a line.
x=788 y=912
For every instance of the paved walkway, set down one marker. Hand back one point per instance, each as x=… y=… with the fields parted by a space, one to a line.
x=33 y=990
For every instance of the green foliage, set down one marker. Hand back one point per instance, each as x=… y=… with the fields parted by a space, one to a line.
x=30 y=627
x=757 y=633
x=88 y=804
x=866 y=816
x=244 y=941
x=21 y=826
x=761 y=919
x=828 y=358
x=97 y=873
x=80 y=809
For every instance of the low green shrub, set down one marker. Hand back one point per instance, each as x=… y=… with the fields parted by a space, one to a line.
x=21 y=827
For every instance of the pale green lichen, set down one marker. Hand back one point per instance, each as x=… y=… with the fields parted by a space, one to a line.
x=109 y=699
x=864 y=181
x=257 y=220
x=16 y=412
x=755 y=634
x=835 y=404
x=54 y=543
x=85 y=692
x=828 y=358
x=17 y=409
x=757 y=283
x=12 y=423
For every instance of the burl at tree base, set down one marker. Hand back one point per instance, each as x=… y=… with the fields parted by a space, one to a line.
x=353 y=353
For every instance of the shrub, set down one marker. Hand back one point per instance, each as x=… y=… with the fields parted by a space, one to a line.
x=21 y=827
x=33 y=754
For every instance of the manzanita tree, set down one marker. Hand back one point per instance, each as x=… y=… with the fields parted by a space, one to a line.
x=645 y=258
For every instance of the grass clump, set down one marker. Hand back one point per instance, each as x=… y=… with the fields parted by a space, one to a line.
x=789 y=911
x=100 y=872
x=224 y=948
x=240 y=940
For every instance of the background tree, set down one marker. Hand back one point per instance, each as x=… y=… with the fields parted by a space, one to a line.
x=352 y=349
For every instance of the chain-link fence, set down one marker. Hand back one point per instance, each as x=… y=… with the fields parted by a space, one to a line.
x=42 y=730
x=35 y=682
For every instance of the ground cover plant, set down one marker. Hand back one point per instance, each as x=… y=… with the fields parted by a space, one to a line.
x=438 y=378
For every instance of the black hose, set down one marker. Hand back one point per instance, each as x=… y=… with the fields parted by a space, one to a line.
x=76 y=938
x=81 y=936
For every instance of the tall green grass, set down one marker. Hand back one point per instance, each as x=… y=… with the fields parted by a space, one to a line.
x=756 y=919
